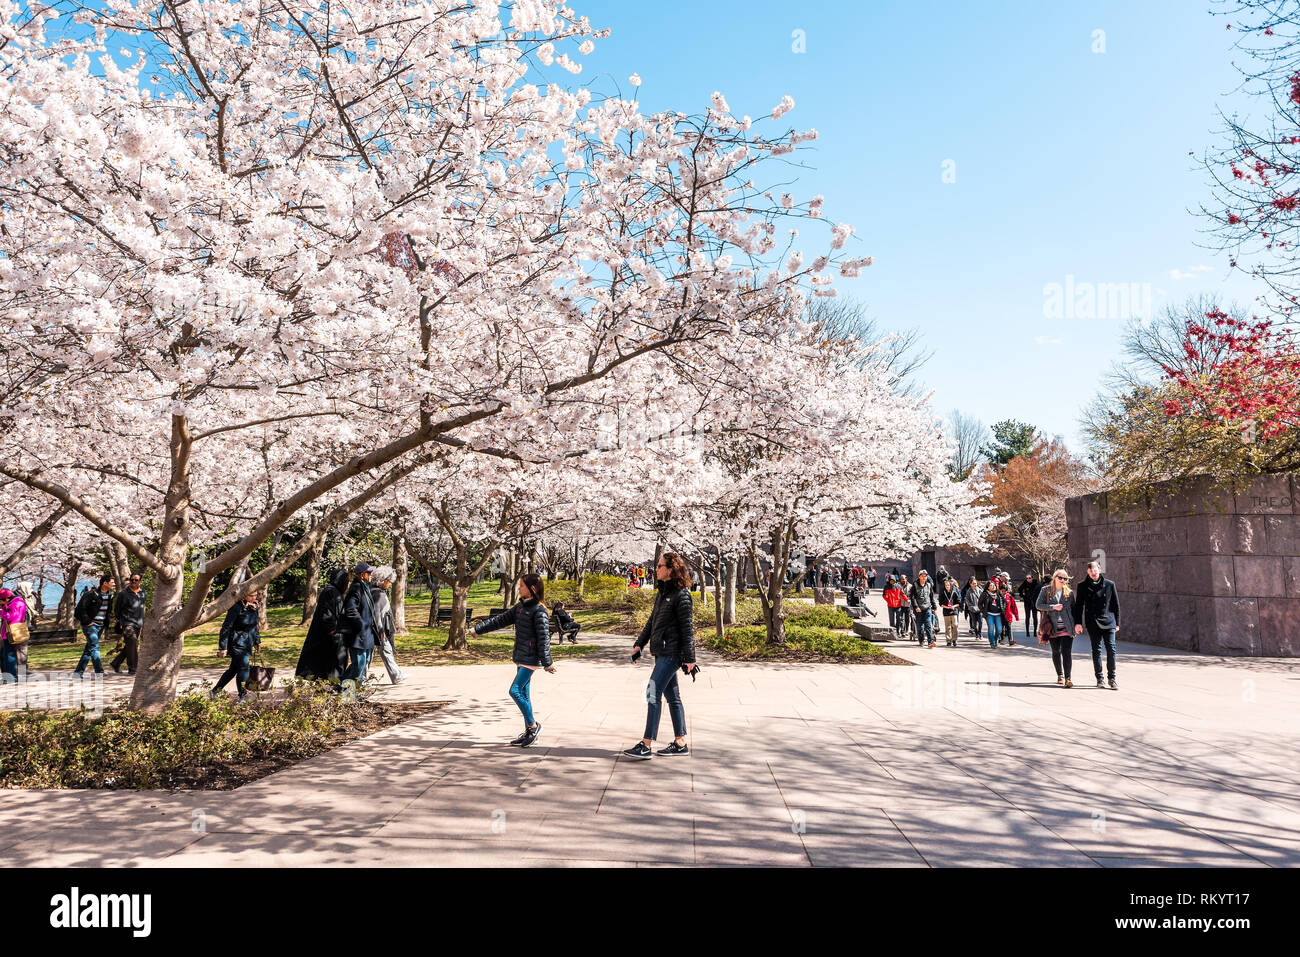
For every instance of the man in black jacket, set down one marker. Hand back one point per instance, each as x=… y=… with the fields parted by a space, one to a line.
x=93 y=612
x=670 y=632
x=129 y=612
x=1096 y=606
x=1028 y=592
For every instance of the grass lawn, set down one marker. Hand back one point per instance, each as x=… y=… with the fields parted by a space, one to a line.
x=282 y=640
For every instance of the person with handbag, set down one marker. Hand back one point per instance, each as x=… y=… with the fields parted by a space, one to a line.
x=670 y=633
x=27 y=591
x=385 y=623
x=1056 y=624
x=13 y=633
x=532 y=649
x=240 y=637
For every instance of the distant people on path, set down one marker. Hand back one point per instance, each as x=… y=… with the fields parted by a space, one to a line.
x=993 y=605
x=894 y=598
x=385 y=623
x=906 y=620
x=240 y=637
x=94 y=611
x=562 y=624
x=670 y=633
x=941 y=579
x=1096 y=607
x=13 y=611
x=871 y=578
x=950 y=602
x=1055 y=603
x=323 y=655
x=532 y=649
x=358 y=624
x=1028 y=592
x=924 y=603
x=129 y=611
x=971 y=596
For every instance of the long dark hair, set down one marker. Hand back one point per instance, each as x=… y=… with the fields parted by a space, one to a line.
x=535 y=585
x=679 y=572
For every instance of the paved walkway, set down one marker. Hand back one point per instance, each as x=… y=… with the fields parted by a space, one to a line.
x=974 y=758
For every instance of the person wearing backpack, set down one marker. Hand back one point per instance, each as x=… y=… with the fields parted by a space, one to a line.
x=532 y=649
x=670 y=633
x=239 y=638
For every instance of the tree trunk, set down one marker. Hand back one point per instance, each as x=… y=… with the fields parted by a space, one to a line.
x=68 y=600
x=457 y=633
x=729 y=597
x=717 y=592
x=313 y=580
x=398 y=598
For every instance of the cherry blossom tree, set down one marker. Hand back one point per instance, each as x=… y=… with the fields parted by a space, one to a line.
x=361 y=238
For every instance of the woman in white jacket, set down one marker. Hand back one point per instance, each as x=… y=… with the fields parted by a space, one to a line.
x=380 y=582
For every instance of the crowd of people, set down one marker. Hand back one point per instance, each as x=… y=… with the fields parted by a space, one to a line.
x=1051 y=611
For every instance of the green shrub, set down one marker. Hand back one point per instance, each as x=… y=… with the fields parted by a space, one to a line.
x=824 y=616
x=751 y=642
x=130 y=749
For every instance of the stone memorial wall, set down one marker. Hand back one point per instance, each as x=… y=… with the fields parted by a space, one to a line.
x=1207 y=569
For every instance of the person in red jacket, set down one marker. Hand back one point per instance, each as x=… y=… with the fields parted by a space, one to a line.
x=894 y=599
x=1012 y=613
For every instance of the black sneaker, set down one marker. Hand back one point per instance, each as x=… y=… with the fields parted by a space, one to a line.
x=530 y=736
x=1113 y=686
x=675 y=748
x=522 y=738
x=639 y=751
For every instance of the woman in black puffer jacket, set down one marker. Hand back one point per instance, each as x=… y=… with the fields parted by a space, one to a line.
x=532 y=648
x=671 y=634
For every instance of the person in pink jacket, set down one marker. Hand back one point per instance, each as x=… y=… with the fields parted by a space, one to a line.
x=12 y=610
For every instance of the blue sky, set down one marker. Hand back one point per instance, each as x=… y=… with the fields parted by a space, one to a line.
x=1067 y=162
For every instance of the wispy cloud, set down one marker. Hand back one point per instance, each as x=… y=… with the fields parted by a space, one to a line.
x=1044 y=341
x=1191 y=272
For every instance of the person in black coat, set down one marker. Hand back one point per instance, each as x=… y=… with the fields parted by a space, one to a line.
x=532 y=648
x=359 y=624
x=1028 y=591
x=240 y=636
x=1096 y=607
x=562 y=624
x=94 y=613
x=670 y=632
x=323 y=655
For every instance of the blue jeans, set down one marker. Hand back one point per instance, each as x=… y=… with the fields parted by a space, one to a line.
x=8 y=661
x=359 y=663
x=519 y=691
x=1098 y=637
x=663 y=684
x=995 y=629
x=924 y=627
x=91 y=653
x=238 y=670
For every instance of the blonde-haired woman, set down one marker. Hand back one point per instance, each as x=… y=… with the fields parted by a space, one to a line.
x=1057 y=627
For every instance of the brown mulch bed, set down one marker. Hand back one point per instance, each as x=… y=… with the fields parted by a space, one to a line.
x=226 y=777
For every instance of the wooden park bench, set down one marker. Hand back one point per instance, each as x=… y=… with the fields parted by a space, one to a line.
x=49 y=636
x=444 y=615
